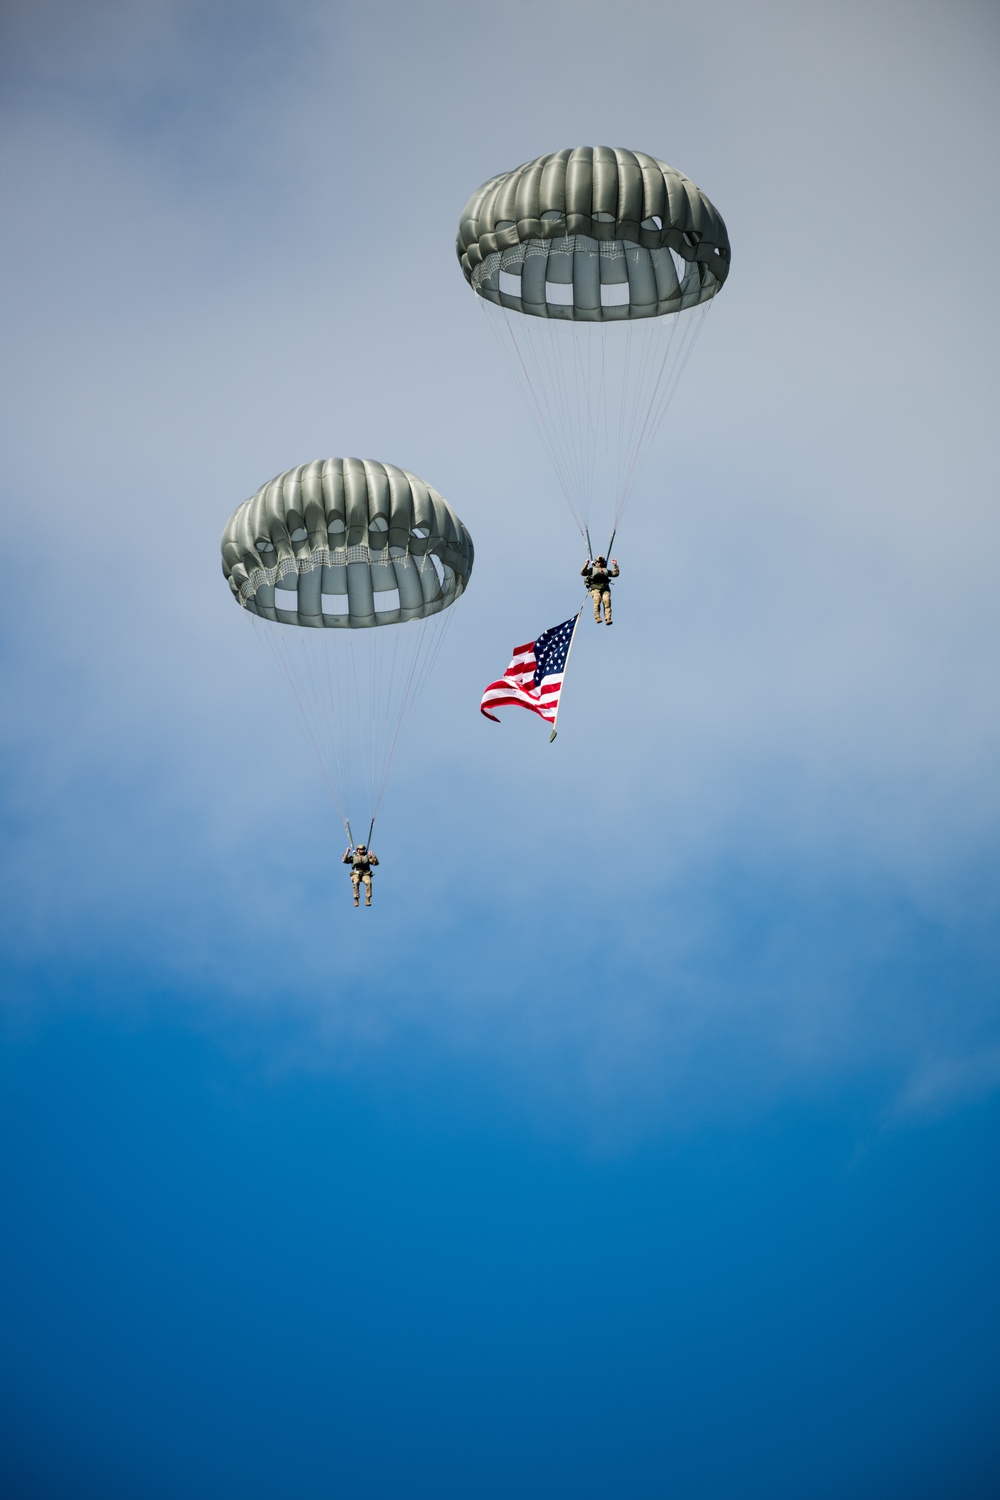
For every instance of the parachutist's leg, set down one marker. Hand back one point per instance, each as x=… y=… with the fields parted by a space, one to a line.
x=368 y=889
x=607 y=606
x=356 y=882
x=595 y=594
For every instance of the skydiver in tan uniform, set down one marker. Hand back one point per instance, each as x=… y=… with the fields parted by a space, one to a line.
x=361 y=861
x=597 y=576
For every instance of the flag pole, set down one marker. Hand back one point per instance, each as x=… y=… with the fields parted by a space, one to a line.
x=569 y=652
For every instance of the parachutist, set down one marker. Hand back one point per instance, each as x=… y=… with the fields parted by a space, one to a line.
x=597 y=577
x=361 y=860
x=353 y=628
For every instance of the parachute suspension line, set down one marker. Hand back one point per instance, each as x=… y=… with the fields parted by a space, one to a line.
x=540 y=343
x=668 y=378
x=379 y=681
x=642 y=338
x=306 y=654
x=577 y=405
x=598 y=351
x=569 y=652
x=351 y=712
x=396 y=692
x=652 y=339
x=587 y=416
x=655 y=355
x=598 y=394
x=366 y=664
x=325 y=698
x=623 y=406
x=564 y=379
x=343 y=681
x=567 y=376
x=380 y=708
x=590 y=547
x=529 y=391
x=554 y=378
x=360 y=689
x=605 y=403
x=315 y=675
x=378 y=664
x=422 y=664
x=386 y=669
x=632 y=372
x=591 y=409
x=277 y=650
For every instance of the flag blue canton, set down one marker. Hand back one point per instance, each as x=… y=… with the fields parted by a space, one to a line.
x=552 y=649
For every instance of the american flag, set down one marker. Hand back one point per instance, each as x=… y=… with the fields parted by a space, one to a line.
x=534 y=678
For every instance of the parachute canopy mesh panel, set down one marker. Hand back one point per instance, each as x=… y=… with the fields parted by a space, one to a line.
x=594 y=234
x=348 y=543
x=366 y=560
x=594 y=268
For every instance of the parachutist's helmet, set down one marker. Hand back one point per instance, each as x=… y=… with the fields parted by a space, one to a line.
x=600 y=559
x=362 y=849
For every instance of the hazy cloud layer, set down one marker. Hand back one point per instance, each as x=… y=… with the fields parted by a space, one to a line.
x=763 y=848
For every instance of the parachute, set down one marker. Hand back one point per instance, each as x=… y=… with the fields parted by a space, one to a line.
x=349 y=568
x=595 y=267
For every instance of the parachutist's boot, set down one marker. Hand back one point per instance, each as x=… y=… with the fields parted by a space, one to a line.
x=355 y=900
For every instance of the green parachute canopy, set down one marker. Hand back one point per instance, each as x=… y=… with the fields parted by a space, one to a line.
x=594 y=234
x=346 y=542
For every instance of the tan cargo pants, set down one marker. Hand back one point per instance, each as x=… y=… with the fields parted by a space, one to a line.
x=356 y=879
x=602 y=596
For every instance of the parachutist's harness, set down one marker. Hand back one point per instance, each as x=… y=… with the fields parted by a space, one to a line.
x=597 y=578
x=351 y=857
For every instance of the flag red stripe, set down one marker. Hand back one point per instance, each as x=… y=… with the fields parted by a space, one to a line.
x=543 y=701
x=548 y=713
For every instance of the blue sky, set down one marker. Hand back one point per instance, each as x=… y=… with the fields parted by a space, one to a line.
x=642 y=1139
